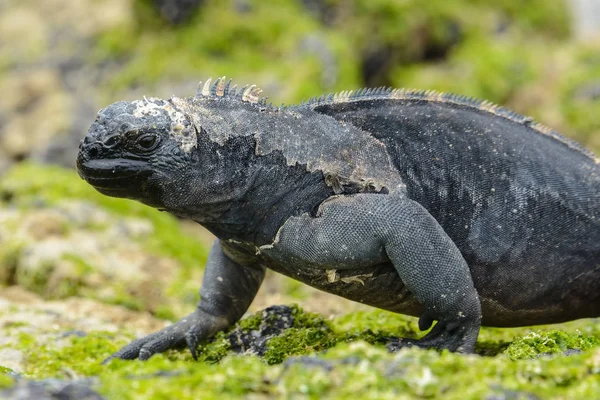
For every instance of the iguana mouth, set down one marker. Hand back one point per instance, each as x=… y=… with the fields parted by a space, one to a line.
x=114 y=175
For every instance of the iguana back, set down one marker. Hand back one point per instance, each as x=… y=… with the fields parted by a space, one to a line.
x=521 y=202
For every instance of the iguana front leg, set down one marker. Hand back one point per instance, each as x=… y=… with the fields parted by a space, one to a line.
x=360 y=231
x=227 y=290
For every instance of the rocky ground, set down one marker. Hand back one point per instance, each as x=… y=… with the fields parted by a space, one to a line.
x=82 y=274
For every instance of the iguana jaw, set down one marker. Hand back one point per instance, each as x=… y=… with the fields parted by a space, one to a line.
x=115 y=177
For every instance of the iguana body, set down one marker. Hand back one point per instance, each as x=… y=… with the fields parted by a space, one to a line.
x=432 y=205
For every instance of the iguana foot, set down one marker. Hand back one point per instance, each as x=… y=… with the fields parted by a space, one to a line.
x=457 y=336
x=188 y=331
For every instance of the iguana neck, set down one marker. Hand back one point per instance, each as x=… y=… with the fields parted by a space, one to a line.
x=282 y=162
x=239 y=195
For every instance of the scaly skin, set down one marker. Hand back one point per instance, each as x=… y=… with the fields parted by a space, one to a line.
x=432 y=205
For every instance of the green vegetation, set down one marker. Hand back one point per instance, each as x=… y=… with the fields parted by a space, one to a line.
x=540 y=343
x=6 y=381
x=329 y=358
x=221 y=37
x=234 y=43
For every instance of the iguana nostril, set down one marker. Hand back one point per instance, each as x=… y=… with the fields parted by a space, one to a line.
x=93 y=151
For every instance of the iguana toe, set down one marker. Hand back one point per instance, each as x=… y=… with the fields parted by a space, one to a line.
x=457 y=336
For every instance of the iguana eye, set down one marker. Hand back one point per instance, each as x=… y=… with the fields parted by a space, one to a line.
x=147 y=142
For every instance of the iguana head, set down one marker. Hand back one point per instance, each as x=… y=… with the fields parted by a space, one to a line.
x=133 y=149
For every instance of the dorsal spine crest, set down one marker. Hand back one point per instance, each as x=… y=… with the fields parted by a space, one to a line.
x=251 y=94
x=221 y=88
x=384 y=93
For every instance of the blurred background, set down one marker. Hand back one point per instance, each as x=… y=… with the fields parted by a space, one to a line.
x=62 y=60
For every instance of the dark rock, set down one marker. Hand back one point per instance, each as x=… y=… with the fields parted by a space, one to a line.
x=275 y=320
x=435 y=50
x=314 y=45
x=242 y=6
x=376 y=65
x=177 y=11
x=309 y=362
x=325 y=11
x=51 y=389
x=590 y=92
x=570 y=352
x=504 y=394
x=501 y=393
x=159 y=374
x=76 y=391
x=381 y=57
x=74 y=332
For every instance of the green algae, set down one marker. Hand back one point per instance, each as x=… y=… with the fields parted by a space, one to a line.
x=10 y=254
x=538 y=343
x=577 y=92
x=357 y=369
x=330 y=358
x=6 y=380
x=251 y=323
x=309 y=333
x=5 y=370
x=375 y=326
x=40 y=281
x=79 y=356
x=512 y=52
x=217 y=39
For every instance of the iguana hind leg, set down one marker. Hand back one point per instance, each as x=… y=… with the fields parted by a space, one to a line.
x=227 y=290
x=357 y=231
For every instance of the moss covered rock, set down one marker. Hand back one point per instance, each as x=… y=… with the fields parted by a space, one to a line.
x=313 y=357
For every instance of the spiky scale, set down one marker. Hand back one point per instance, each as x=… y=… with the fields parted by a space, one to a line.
x=206 y=88
x=227 y=89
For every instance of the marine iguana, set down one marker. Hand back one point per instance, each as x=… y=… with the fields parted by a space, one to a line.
x=428 y=204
